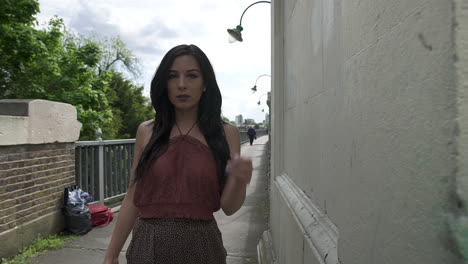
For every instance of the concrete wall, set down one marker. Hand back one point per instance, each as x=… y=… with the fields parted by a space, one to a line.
x=369 y=131
x=37 y=160
x=458 y=218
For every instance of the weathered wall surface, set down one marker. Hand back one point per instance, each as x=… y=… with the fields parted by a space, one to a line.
x=458 y=219
x=365 y=122
x=24 y=121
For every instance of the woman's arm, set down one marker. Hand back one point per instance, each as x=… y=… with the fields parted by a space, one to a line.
x=239 y=174
x=128 y=211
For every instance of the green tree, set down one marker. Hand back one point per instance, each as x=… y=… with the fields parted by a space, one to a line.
x=129 y=107
x=18 y=11
x=18 y=39
x=225 y=119
x=114 y=53
x=48 y=64
x=58 y=65
x=249 y=122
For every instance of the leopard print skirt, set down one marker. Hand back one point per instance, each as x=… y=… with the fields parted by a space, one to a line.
x=176 y=241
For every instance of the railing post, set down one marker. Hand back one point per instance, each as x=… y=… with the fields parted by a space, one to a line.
x=101 y=166
x=101 y=173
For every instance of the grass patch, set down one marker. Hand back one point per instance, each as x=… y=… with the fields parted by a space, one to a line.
x=38 y=246
x=265 y=207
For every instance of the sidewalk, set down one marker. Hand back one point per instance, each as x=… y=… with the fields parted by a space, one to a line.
x=241 y=231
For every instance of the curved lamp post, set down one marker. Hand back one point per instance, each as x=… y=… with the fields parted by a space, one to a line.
x=235 y=33
x=260 y=99
x=254 y=89
x=268 y=94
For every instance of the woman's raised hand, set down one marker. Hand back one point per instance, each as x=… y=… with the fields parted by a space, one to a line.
x=240 y=169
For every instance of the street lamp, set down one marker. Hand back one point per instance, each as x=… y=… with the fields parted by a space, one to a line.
x=254 y=89
x=267 y=101
x=260 y=99
x=235 y=33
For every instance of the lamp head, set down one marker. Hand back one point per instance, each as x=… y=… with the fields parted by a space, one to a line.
x=236 y=34
x=254 y=89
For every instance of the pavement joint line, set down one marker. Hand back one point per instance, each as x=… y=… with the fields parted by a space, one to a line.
x=242 y=256
x=95 y=249
x=236 y=255
x=239 y=255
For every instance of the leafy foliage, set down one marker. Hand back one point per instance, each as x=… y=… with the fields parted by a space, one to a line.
x=57 y=65
x=225 y=119
x=115 y=53
x=129 y=107
x=18 y=11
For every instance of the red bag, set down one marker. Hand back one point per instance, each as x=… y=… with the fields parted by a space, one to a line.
x=101 y=215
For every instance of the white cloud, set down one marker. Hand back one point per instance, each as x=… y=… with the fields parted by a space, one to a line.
x=152 y=27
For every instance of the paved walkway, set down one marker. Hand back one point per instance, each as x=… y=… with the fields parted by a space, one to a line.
x=241 y=231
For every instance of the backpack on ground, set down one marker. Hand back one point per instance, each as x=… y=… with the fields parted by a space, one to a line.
x=101 y=215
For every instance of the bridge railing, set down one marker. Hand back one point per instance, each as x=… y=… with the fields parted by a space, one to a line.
x=103 y=167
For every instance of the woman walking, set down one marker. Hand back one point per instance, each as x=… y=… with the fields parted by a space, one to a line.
x=186 y=166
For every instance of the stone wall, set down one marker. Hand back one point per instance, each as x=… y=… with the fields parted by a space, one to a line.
x=33 y=176
x=369 y=132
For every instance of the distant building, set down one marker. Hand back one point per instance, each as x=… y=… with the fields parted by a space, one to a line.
x=239 y=120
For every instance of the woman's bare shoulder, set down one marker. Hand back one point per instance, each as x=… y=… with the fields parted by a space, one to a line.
x=230 y=130
x=144 y=132
x=232 y=137
x=146 y=126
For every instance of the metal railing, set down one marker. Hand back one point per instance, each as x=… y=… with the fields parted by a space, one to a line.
x=102 y=168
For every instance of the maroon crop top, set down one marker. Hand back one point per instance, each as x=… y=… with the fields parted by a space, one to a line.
x=182 y=183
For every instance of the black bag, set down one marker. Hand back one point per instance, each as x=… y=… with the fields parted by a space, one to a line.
x=77 y=216
x=77 y=222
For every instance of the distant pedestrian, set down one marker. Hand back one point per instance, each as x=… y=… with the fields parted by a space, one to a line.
x=251 y=132
x=186 y=166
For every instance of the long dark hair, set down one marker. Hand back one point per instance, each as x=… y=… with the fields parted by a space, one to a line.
x=209 y=113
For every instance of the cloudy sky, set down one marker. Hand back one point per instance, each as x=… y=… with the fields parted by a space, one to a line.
x=151 y=27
